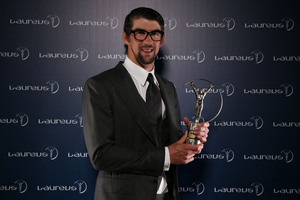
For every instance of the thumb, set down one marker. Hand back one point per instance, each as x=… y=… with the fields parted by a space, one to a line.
x=186 y=121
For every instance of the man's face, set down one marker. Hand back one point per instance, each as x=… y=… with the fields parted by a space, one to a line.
x=143 y=53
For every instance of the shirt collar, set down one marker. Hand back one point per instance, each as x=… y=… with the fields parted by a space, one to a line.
x=138 y=72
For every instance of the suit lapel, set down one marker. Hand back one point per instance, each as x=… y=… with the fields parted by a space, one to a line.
x=134 y=102
x=172 y=108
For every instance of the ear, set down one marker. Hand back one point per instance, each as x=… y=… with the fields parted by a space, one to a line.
x=125 y=39
x=162 y=41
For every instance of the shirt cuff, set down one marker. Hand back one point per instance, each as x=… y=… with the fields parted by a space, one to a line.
x=167 y=160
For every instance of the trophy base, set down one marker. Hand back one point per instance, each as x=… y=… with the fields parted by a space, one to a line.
x=192 y=141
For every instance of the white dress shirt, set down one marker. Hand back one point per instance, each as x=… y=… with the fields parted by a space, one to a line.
x=139 y=77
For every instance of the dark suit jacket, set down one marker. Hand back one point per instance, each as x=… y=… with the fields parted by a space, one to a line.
x=122 y=143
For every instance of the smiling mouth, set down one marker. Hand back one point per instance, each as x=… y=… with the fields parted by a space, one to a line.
x=147 y=50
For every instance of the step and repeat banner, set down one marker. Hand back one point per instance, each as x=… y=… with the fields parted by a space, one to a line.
x=249 y=50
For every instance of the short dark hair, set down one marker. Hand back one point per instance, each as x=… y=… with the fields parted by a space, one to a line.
x=141 y=12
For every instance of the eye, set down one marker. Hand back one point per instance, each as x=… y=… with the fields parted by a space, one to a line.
x=155 y=33
x=140 y=32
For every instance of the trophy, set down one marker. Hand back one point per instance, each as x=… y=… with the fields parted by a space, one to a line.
x=200 y=95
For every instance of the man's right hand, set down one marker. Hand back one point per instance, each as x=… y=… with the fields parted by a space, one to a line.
x=182 y=153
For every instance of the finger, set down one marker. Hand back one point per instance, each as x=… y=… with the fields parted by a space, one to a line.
x=193 y=148
x=188 y=160
x=202 y=135
x=191 y=158
x=197 y=150
x=203 y=124
x=201 y=132
x=203 y=139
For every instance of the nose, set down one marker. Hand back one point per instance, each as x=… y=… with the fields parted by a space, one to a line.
x=148 y=39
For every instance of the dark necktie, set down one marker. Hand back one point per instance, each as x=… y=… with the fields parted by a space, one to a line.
x=153 y=102
x=153 y=99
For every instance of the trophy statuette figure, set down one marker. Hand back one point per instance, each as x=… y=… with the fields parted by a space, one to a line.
x=200 y=95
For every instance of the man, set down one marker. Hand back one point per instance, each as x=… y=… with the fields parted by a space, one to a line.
x=135 y=151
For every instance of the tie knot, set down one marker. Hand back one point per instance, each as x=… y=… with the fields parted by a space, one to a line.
x=150 y=78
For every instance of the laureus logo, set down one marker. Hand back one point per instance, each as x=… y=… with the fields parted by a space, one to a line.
x=79 y=116
x=286 y=191
x=54 y=86
x=83 y=54
x=229 y=89
x=19 y=186
x=286 y=23
x=53 y=152
x=54 y=20
x=258 y=188
x=23 y=119
x=288 y=155
x=196 y=187
x=286 y=58
x=230 y=23
x=286 y=124
x=78 y=185
x=258 y=55
x=170 y=23
x=112 y=56
x=50 y=152
x=255 y=56
x=255 y=188
x=24 y=53
x=22 y=186
x=51 y=86
x=285 y=155
x=226 y=23
x=258 y=122
x=82 y=186
x=200 y=188
x=288 y=89
x=289 y=23
x=62 y=121
x=226 y=154
x=229 y=154
x=113 y=21
x=200 y=56
x=255 y=121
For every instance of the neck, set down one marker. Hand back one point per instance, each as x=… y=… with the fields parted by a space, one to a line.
x=148 y=68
